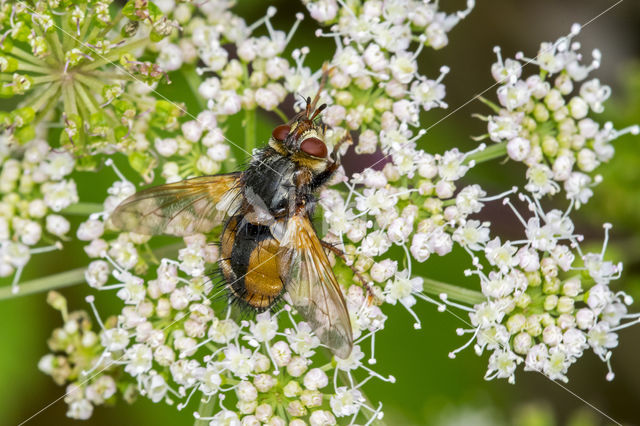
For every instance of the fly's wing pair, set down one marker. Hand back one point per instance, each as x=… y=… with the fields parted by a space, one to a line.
x=313 y=288
x=199 y=204
x=182 y=208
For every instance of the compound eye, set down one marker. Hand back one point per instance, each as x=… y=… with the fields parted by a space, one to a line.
x=314 y=147
x=281 y=132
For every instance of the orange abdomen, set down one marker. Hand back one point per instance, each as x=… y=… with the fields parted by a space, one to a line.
x=253 y=264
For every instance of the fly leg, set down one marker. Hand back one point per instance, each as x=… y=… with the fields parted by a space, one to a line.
x=342 y=256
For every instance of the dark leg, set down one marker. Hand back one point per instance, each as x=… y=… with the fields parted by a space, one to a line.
x=342 y=256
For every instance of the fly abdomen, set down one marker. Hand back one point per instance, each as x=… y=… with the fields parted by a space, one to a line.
x=251 y=263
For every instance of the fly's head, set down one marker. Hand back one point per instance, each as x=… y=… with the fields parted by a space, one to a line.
x=303 y=139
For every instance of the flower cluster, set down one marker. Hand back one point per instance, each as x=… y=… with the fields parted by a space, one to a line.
x=35 y=188
x=547 y=301
x=76 y=351
x=77 y=65
x=375 y=86
x=169 y=344
x=544 y=119
x=413 y=204
x=96 y=74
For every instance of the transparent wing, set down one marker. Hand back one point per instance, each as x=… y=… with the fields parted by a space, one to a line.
x=181 y=208
x=313 y=288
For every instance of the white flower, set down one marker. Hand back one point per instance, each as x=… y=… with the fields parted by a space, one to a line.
x=515 y=95
x=139 y=358
x=264 y=328
x=132 y=291
x=400 y=289
x=502 y=364
x=114 y=339
x=504 y=126
x=225 y=418
x=281 y=353
x=315 y=379
x=57 y=225
x=518 y=148
x=375 y=244
x=192 y=260
x=500 y=255
x=375 y=200
x=238 y=360
x=302 y=341
x=223 y=331
x=156 y=387
x=577 y=187
x=428 y=93
x=266 y=99
x=58 y=165
x=472 y=234
x=210 y=381
x=540 y=181
x=556 y=364
x=595 y=94
x=420 y=249
x=246 y=391
x=537 y=358
x=80 y=410
x=322 y=418
x=16 y=254
x=383 y=270
x=97 y=273
x=451 y=166
x=170 y=57
x=166 y=147
x=101 y=389
x=60 y=195
x=346 y=402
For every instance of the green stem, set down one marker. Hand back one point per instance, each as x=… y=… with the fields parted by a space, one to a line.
x=94 y=84
x=69 y=100
x=44 y=96
x=52 y=101
x=84 y=96
x=453 y=292
x=498 y=150
x=114 y=55
x=113 y=76
x=205 y=409
x=86 y=25
x=16 y=51
x=51 y=282
x=69 y=278
x=54 y=41
x=490 y=104
x=23 y=66
x=281 y=114
x=194 y=80
x=67 y=34
x=45 y=79
x=83 y=209
x=249 y=130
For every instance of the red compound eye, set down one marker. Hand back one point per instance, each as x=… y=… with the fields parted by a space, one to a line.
x=281 y=132
x=314 y=147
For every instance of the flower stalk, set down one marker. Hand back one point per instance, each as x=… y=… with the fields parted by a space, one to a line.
x=453 y=292
x=249 y=130
x=205 y=409
x=51 y=282
x=492 y=152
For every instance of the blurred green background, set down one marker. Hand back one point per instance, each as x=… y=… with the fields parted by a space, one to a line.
x=431 y=389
